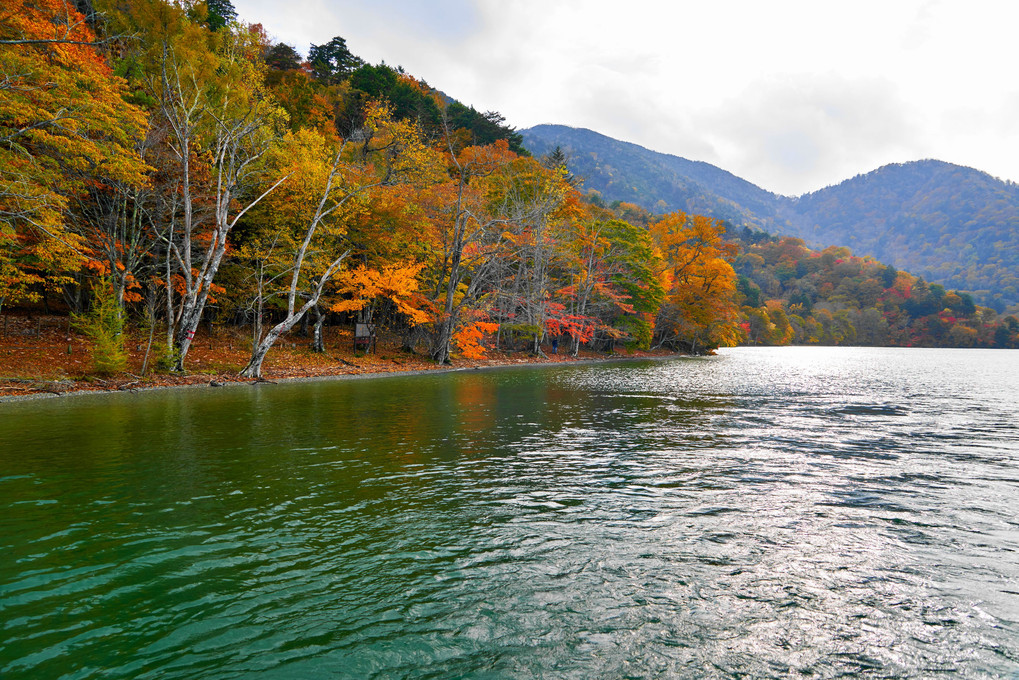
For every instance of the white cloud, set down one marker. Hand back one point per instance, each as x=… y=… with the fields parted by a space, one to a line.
x=819 y=126
x=791 y=94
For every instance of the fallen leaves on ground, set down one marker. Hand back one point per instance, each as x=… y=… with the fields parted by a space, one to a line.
x=42 y=354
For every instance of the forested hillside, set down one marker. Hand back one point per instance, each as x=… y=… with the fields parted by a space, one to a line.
x=621 y=171
x=952 y=225
x=792 y=294
x=168 y=168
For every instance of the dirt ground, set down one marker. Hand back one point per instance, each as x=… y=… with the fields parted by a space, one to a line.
x=43 y=354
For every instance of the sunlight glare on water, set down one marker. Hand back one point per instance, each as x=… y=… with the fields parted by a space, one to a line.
x=764 y=512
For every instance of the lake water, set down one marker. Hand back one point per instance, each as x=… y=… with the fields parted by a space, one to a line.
x=815 y=512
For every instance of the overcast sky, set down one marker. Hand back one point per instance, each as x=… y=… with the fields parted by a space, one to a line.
x=792 y=95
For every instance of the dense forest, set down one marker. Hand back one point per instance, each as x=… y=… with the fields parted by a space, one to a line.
x=163 y=164
x=792 y=294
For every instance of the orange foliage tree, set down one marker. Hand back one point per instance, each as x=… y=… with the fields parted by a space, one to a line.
x=364 y=288
x=330 y=183
x=700 y=311
x=64 y=126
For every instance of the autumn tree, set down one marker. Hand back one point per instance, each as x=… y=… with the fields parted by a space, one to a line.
x=472 y=216
x=700 y=311
x=221 y=124
x=364 y=289
x=64 y=127
x=584 y=250
x=308 y=104
x=614 y=279
x=533 y=200
x=394 y=238
x=328 y=184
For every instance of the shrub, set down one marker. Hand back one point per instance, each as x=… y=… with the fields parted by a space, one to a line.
x=103 y=325
x=638 y=330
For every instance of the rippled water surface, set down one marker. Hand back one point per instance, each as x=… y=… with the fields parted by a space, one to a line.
x=763 y=513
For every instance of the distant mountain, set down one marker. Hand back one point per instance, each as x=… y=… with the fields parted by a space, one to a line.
x=952 y=225
x=621 y=171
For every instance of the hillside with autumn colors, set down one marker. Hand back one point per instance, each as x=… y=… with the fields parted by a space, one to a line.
x=167 y=171
x=793 y=294
x=953 y=225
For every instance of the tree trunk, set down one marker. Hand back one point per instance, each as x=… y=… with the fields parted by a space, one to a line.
x=411 y=338
x=258 y=352
x=443 y=341
x=318 y=343
x=185 y=335
x=254 y=367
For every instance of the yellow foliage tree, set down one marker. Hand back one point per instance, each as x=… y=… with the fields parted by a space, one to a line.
x=700 y=311
x=330 y=184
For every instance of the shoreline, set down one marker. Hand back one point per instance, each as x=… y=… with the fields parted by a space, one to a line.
x=46 y=389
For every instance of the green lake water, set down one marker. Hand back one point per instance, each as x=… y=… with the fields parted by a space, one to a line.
x=817 y=512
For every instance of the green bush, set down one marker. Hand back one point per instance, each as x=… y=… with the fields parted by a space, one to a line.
x=166 y=358
x=639 y=331
x=103 y=325
x=517 y=333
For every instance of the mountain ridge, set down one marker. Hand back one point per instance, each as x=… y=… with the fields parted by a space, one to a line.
x=954 y=225
x=690 y=180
